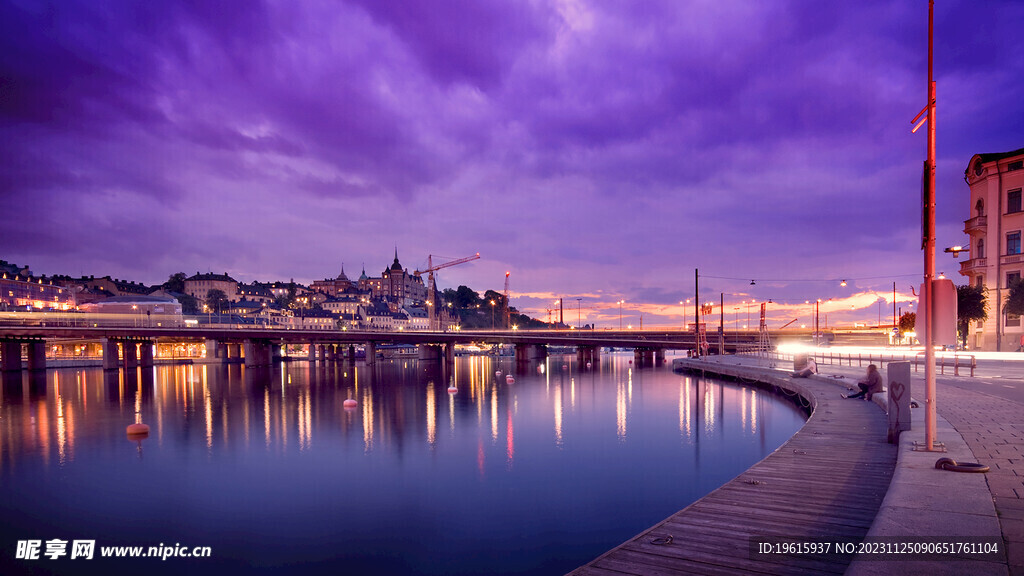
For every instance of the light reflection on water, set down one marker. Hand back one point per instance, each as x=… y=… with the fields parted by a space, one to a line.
x=270 y=469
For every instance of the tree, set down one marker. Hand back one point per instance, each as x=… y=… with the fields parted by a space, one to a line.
x=175 y=283
x=216 y=299
x=1015 y=301
x=465 y=298
x=907 y=322
x=970 y=307
x=189 y=304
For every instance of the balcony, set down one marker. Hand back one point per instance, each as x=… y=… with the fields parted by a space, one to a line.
x=969 y=266
x=1012 y=259
x=976 y=225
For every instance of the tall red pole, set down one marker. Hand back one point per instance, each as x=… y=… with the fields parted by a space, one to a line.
x=929 y=251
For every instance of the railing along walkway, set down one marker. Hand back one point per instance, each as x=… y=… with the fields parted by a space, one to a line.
x=942 y=362
x=825 y=484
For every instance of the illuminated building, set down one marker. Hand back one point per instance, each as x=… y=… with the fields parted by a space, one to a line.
x=199 y=285
x=996 y=259
x=20 y=292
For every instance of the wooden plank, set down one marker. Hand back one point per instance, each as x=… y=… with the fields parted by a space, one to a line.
x=825 y=484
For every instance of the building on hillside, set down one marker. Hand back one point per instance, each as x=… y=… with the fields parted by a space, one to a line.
x=334 y=286
x=199 y=285
x=996 y=260
x=417 y=316
x=255 y=292
x=313 y=319
x=114 y=286
x=26 y=292
x=396 y=285
x=350 y=303
x=12 y=270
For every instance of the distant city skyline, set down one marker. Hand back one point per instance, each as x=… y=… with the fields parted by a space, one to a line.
x=595 y=151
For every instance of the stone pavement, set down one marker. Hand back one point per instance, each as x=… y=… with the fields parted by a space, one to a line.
x=994 y=430
x=976 y=426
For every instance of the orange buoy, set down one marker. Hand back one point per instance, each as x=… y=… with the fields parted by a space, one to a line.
x=350 y=403
x=497 y=373
x=453 y=390
x=589 y=364
x=510 y=379
x=138 y=429
x=565 y=366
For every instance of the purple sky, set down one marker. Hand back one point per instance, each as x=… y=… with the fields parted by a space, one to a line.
x=596 y=149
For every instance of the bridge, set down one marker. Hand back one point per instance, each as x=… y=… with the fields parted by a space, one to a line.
x=132 y=346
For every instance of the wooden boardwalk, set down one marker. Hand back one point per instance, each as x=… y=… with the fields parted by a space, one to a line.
x=825 y=484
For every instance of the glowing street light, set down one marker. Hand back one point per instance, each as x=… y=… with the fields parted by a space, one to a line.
x=620 y=313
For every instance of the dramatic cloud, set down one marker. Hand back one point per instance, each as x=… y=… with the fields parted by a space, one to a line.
x=601 y=150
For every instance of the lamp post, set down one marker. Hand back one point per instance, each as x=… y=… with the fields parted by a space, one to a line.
x=579 y=308
x=620 y=314
x=492 y=314
x=135 y=315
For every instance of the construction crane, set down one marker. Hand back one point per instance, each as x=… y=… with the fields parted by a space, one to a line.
x=508 y=306
x=431 y=289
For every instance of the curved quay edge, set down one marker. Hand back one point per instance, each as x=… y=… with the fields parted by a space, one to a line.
x=826 y=483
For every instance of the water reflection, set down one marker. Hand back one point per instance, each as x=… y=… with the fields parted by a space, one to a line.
x=253 y=450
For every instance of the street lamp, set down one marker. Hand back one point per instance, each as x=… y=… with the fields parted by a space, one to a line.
x=135 y=315
x=492 y=314
x=955 y=250
x=620 y=314
x=579 y=308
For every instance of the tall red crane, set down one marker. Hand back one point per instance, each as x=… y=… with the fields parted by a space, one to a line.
x=431 y=289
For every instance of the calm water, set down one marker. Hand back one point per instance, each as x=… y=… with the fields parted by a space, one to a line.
x=270 y=470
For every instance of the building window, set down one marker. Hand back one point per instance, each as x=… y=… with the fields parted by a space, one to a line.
x=981 y=248
x=1012 y=278
x=1013 y=201
x=1012 y=320
x=979 y=281
x=1019 y=164
x=980 y=207
x=1013 y=243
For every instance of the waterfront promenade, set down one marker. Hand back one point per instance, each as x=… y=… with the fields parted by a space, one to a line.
x=832 y=481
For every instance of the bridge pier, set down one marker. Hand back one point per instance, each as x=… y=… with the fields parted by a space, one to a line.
x=321 y=352
x=659 y=356
x=586 y=354
x=311 y=353
x=257 y=353
x=351 y=352
x=371 y=353
x=531 y=352
x=449 y=353
x=643 y=357
x=429 y=352
x=110 y=357
x=216 y=352
x=146 y=354
x=276 y=353
x=36 y=355
x=234 y=350
x=129 y=354
x=11 y=352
